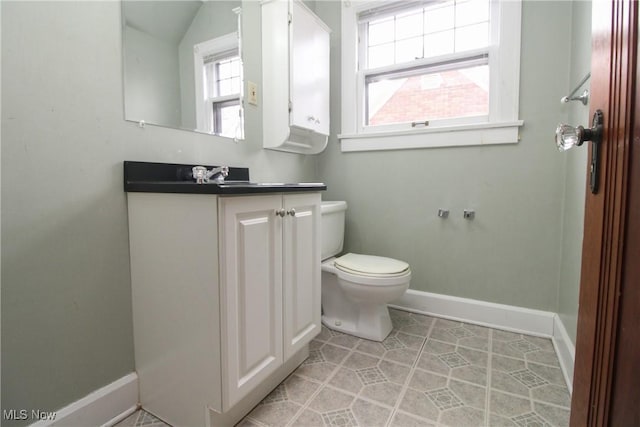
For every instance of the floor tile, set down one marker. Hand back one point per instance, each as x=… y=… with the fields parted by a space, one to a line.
x=425 y=381
x=346 y=341
x=298 y=389
x=508 y=405
x=463 y=416
x=347 y=380
x=506 y=364
x=469 y=394
x=544 y=344
x=370 y=415
x=142 y=418
x=275 y=414
x=427 y=372
x=406 y=356
x=330 y=399
x=357 y=361
x=339 y=417
x=394 y=372
x=431 y=362
x=332 y=353
x=419 y=404
x=401 y=419
x=506 y=383
x=474 y=374
x=551 y=393
x=499 y=421
x=308 y=418
x=557 y=417
x=549 y=373
x=385 y=393
x=543 y=357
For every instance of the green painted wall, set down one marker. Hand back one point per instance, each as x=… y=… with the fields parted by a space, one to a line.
x=575 y=175
x=66 y=293
x=511 y=252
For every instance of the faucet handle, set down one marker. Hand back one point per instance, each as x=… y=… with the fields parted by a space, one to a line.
x=199 y=173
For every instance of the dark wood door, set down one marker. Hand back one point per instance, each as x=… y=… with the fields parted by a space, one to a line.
x=607 y=370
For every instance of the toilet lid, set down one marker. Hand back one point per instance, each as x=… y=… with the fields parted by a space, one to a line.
x=370 y=265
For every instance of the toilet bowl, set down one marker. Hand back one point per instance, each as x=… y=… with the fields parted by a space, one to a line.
x=355 y=287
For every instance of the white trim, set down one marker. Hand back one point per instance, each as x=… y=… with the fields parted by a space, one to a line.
x=499 y=316
x=103 y=407
x=565 y=349
x=465 y=135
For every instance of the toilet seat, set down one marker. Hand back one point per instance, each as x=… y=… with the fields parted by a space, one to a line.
x=370 y=265
x=374 y=271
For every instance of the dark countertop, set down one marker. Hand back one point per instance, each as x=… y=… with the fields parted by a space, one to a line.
x=149 y=177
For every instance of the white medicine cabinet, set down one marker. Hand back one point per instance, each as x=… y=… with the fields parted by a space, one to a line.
x=295 y=75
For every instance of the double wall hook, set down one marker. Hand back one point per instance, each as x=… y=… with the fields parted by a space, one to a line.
x=568 y=136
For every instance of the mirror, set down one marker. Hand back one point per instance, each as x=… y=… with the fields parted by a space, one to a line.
x=183 y=65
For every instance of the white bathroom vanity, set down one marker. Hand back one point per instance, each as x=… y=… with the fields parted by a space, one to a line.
x=226 y=295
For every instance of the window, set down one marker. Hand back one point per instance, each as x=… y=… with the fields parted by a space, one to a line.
x=222 y=93
x=218 y=70
x=429 y=67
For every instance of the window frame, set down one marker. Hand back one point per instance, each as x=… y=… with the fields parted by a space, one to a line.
x=501 y=126
x=221 y=46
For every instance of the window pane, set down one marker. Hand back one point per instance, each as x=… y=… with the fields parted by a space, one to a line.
x=438 y=44
x=226 y=119
x=472 y=37
x=235 y=85
x=409 y=25
x=471 y=12
x=438 y=18
x=430 y=96
x=381 y=31
x=225 y=87
x=235 y=67
x=224 y=68
x=229 y=118
x=381 y=55
x=408 y=50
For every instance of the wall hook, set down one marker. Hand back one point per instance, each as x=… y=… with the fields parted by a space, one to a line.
x=584 y=96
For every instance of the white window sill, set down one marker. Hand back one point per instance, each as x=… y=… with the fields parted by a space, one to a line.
x=445 y=136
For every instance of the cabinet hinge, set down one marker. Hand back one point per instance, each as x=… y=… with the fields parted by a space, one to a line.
x=289 y=17
x=290 y=106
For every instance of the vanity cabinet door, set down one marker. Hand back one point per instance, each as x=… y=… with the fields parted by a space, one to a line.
x=251 y=292
x=301 y=270
x=309 y=71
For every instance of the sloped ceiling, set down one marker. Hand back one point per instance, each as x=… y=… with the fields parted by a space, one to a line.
x=167 y=20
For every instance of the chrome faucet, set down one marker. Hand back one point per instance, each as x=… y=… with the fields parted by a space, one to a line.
x=202 y=175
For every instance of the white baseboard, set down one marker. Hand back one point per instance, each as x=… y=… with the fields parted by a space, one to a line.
x=499 y=316
x=565 y=349
x=103 y=407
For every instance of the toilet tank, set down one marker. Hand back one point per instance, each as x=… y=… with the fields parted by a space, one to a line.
x=332 y=224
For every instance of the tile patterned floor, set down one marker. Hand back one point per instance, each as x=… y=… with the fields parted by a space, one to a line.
x=141 y=418
x=428 y=372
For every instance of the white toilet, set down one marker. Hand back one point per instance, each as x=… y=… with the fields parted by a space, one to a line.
x=356 y=288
